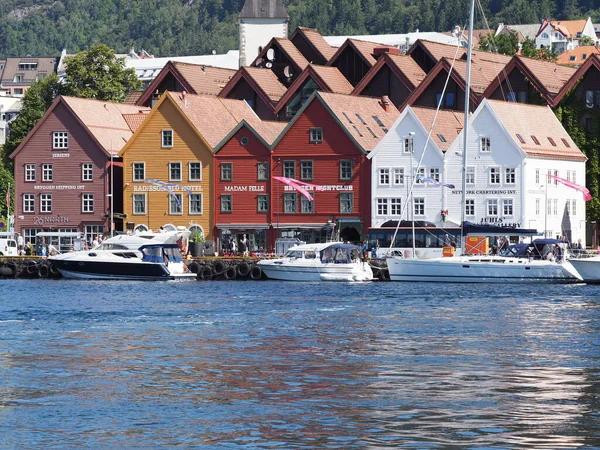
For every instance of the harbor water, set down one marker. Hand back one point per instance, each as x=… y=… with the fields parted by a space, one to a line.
x=96 y=364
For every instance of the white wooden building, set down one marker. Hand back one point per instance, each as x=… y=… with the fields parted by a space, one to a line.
x=511 y=148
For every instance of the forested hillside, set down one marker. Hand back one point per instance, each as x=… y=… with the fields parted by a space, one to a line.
x=184 y=27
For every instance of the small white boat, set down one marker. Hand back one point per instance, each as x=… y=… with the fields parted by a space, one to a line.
x=143 y=256
x=588 y=267
x=331 y=261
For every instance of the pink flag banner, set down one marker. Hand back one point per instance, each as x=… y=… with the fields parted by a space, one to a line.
x=585 y=191
x=299 y=186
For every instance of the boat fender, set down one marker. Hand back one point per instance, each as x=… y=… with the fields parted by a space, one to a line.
x=53 y=270
x=384 y=275
x=205 y=273
x=31 y=268
x=219 y=267
x=13 y=268
x=194 y=267
x=43 y=271
x=243 y=270
x=255 y=273
x=230 y=273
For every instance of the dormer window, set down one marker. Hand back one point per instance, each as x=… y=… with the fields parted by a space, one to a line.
x=18 y=78
x=28 y=66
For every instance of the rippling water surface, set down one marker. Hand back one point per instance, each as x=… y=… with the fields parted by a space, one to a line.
x=289 y=365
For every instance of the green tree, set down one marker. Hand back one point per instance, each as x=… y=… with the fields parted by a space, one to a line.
x=529 y=49
x=98 y=73
x=586 y=40
x=36 y=101
x=505 y=43
x=6 y=178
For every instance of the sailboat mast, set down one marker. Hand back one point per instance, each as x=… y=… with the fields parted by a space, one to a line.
x=466 y=128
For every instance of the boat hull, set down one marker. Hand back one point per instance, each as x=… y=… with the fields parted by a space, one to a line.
x=326 y=272
x=588 y=268
x=473 y=270
x=116 y=271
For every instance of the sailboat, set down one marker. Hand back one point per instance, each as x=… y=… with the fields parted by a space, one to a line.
x=479 y=268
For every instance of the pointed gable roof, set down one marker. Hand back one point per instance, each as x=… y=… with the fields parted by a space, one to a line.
x=195 y=79
x=213 y=117
x=523 y=122
x=110 y=124
x=436 y=50
x=364 y=49
x=593 y=62
x=569 y=28
x=446 y=127
x=263 y=81
x=266 y=131
x=328 y=79
x=404 y=67
x=263 y=9
x=546 y=77
x=316 y=41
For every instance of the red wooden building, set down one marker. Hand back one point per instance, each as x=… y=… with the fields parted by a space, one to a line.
x=63 y=167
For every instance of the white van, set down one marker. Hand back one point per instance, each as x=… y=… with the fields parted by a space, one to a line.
x=8 y=247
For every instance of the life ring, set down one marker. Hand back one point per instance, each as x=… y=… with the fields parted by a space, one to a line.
x=219 y=267
x=205 y=273
x=194 y=267
x=43 y=271
x=243 y=270
x=255 y=273
x=230 y=273
x=384 y=275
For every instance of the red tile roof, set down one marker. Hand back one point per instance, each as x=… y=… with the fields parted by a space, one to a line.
x=569 y=28
x=437 y=50
x=408 y=67
x=550 y=75
x=526 y=121
x=577 y=56
x=267 y=81
x=591 y=64
x=447 y=124
x=365 y=49
x=132 y=97
x=364 y=118
x=135 y=120
x=204 y=79
x=268 y=130
x=213 y=117
x=485 y=67
x=318 y=42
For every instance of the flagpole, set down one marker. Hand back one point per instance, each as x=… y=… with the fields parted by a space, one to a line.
x=8 y=208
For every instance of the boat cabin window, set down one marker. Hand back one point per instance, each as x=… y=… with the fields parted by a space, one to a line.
x=310 y=255
x=293 y=254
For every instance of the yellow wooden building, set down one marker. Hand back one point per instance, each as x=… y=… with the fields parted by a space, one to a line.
x=168 y=162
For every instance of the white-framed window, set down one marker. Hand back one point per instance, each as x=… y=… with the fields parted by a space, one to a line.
x=29 y=172
x=470 y=207
x=574 y=207
x=226 y=203
x=395 y=206
x=419 y=206
x=537 y=206
x=382 y=206
x=347 y=203
x=290 y=202
x=407 y=147
x=306 y=170
x=307 y=206
x=384 y=176
x=545 y=36
x=166 y=138
x=262 y=203
x=492 y=207
x=420 y=174
x=47 y=174
x=195 y=203
x=537 y=176
x=195 y=171
x=346 y=169
x=28 y=203
x=398 y=176
x=510 y=175
x=507 y=207
x=434 y=173
x=45 y=203
x=485 y=144
x=262 y=171
x=494 y=175
x=175 y=202
x=226 y=171
x=60 y=140
x=174 y=171
x=139 y=171
x=139 y=203
x=568 y=207
x=555 y=180
x=316 y=135
x=289 y=169
x=87 y=172
x=549 y=207
x=555 y=204
x=470 y=175
x=87 y=203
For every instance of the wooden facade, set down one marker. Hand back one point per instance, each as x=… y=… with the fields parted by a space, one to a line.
x=145 y=201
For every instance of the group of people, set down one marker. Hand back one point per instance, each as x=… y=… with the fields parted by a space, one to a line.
x=235 y=249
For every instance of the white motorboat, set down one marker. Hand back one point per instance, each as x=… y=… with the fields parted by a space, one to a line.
x=587 y=266
x=142 y=256
x=331 y=261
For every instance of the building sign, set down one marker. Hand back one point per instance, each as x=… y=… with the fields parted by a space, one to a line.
x=499 y=221
x=46 y=187
x=47 y=220
x=174 y=188
x=487 y=192
x=326 y=187
x=61 y=155
x=244 y=188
